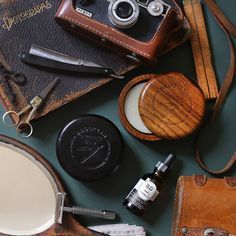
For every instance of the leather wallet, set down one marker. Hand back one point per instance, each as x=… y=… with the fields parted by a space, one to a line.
x=205 y=207
x=148 y=38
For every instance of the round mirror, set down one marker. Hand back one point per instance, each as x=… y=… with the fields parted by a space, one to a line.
x=29 y=193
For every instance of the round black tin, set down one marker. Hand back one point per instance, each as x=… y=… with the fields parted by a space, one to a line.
x=90 y=147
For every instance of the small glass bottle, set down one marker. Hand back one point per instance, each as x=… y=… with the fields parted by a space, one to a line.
x=148 y=188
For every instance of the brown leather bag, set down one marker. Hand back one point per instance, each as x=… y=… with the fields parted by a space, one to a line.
x=167 y=31
x=205 y=207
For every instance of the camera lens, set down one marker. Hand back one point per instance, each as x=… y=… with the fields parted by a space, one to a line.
x=123 y=13
x=124 y=10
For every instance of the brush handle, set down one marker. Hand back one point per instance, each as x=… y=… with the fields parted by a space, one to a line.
x=90 y=212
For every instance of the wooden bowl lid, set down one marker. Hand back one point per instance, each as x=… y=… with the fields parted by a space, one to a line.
x=171 y=106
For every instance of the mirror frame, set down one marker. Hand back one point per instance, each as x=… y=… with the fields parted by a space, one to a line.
x=70 y=226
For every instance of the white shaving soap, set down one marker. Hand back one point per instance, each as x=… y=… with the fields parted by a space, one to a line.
x=132 y=111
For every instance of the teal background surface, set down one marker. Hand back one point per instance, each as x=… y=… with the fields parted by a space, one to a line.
x=218 y=140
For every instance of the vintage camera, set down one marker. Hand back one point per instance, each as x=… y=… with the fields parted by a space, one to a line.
x=139 y=29
x=124 y=14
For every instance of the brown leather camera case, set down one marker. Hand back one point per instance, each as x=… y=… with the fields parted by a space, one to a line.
x=205 y=207
x=174 y=30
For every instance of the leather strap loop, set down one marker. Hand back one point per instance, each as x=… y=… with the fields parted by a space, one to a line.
x=228 y=28
x=221 y=17
x=231 y=181
x=200 y=180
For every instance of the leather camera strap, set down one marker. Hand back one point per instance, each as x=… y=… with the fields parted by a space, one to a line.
x=230 y=30
x=205 y=73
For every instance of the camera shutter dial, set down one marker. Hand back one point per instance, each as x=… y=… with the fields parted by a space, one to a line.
x=123 y=13
x=155 y=8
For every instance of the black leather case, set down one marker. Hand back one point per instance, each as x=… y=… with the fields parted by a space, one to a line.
x=23 y=23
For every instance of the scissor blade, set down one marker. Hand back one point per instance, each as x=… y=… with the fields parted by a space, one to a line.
x=48 y=89
x=57 y=56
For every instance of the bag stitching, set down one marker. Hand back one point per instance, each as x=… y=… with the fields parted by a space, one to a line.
x=117 y=41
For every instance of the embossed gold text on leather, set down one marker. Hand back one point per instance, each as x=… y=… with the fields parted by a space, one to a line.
x=7 y=22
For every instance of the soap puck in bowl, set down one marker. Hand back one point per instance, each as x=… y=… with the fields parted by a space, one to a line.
x=89 y=148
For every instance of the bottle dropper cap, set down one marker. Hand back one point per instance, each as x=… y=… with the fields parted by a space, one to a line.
x=164 y=166
x=170 y=160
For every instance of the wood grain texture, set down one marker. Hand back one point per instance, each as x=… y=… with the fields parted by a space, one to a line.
x=171 y=106
x=125 y=122
x=70 y=226
x=201 y=49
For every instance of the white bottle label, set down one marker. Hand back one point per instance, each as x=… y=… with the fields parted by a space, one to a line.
x=146 y=190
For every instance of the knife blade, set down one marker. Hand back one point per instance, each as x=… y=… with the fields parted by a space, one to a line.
x=57 y=56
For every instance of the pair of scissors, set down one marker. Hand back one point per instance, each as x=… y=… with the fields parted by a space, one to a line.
x=25 y=129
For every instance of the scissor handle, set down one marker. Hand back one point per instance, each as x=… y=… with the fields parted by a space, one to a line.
x=24 y=129
x=7 y=119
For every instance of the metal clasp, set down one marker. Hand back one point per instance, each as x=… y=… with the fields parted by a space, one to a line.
x=184 y=230
x=209 y=232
